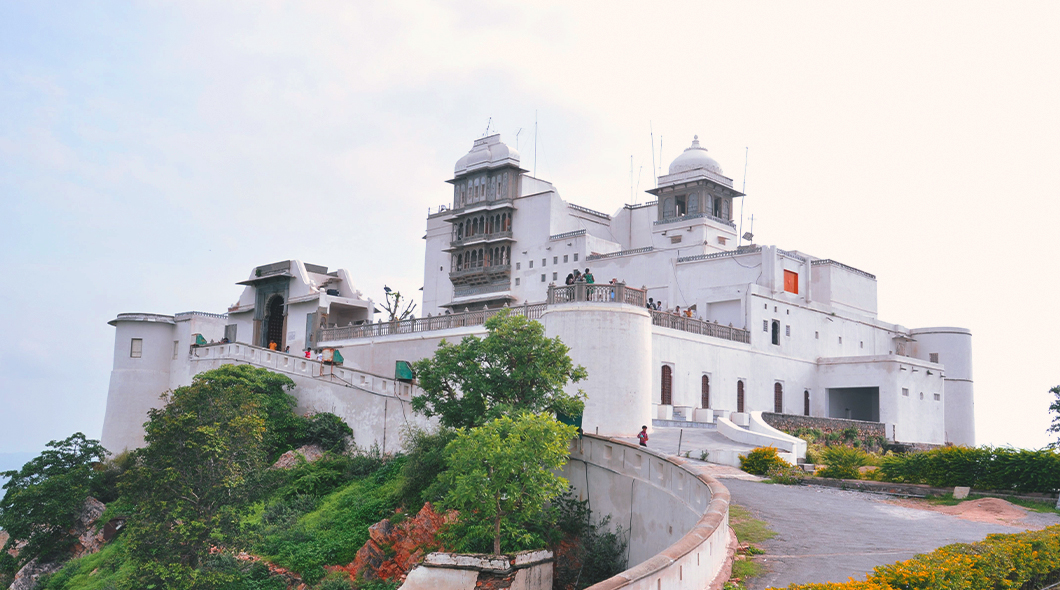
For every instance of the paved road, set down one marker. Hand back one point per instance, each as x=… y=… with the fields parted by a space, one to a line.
x=829 y=535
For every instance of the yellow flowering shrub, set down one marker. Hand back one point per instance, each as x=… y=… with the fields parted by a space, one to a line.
x=998 y=562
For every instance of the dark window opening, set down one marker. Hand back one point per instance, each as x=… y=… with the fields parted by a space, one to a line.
x=739 y=396
x=806 y=403
x=776 y=332
x=778 y=398
x=667 y=386
x=705 y=392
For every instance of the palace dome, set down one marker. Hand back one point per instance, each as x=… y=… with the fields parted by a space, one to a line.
x=694 y=157
x=487 y=152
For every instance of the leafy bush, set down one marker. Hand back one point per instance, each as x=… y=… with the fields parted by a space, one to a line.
x=843 y=462
x=758 y=461
x=335 y=581
x=786 y=474
x=599 y=553
x=1022 y=560
x=326 y=430
x=425 y=462
x=983 y=468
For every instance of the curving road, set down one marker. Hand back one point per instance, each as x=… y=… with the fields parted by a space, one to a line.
x=830 y=535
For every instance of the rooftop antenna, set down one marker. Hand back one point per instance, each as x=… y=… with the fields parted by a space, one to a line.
x=535 y=143
x=517 y=138
x=660 y=155
x=637 y=192
x=487 y=131
x=743 y=190
x=654 y=168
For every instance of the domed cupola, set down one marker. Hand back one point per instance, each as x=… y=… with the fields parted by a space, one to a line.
x=694 y=157
x=487 y=152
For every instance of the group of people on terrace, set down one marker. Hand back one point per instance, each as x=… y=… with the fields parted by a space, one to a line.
x=688 y=312
x=579 y=277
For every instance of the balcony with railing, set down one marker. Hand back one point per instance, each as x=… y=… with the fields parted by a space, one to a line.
x=596 y=293
x=481 y=238
x=691 y=216
x=612 y=293
x=698 y=326
x=428 y=324
x=480 y=275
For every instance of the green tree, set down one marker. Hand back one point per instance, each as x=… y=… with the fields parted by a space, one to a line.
x=192 y=483
x=283 y=428
x=501 y=476
x=1055 y=409
x=43 y=500
x=514 y=368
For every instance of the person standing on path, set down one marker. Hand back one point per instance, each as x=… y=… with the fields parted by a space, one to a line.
x=642 y=436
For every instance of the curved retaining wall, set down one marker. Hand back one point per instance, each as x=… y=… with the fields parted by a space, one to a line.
x=678 y=520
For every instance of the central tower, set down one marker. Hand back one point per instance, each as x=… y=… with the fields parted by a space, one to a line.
x=485 y=186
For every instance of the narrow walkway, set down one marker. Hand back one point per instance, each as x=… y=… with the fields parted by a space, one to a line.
x=694 y=441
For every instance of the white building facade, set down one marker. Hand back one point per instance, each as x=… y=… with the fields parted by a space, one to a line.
x=771 y=329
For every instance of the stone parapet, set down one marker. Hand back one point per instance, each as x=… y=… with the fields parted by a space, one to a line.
x=792 y=422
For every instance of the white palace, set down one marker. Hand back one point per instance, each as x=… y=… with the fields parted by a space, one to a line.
x=771 y=330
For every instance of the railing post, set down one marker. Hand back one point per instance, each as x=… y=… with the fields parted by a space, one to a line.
x=620 y=292
x=579 y=291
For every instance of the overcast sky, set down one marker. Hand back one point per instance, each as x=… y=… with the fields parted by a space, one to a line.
x=151 y=154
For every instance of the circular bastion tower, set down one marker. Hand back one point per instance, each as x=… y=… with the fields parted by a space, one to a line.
x=613 y=342
x=951 y=348
x=144 y=348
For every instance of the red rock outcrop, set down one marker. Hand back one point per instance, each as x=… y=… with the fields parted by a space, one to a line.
x=393 y=550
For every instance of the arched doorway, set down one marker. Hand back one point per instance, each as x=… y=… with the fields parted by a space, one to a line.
x=739 y=396
x=705 y=392
x=778 y=398
x=667 y=397
x=274 y=322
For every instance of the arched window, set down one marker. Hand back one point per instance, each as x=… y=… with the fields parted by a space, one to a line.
x=693 y=203
x=474 y=258
x=705 y=392
x=668 y=208
x=480 y=257
x=778 y=398
x=776 y=332
x=739 y=396
x=806 y=403
x=667 y=386
x=459 y=261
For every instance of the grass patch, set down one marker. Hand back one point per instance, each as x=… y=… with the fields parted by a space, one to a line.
x=748 y=529
x=103 y=570
x=743 y=569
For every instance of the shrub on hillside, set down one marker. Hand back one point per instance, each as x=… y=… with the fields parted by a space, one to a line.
x=758 y=461
x=843 y=462
x=425 y=461
x=984 y=468
x=786 y=474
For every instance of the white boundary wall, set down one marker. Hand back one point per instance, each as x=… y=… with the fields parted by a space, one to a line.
x=678 y=520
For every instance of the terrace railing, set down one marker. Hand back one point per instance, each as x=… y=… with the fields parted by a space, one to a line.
x=598 y=293
x=697 y=326
x=557 y=295
x=427 y=324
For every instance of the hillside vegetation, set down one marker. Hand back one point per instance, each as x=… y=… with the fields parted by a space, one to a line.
x=200 y=507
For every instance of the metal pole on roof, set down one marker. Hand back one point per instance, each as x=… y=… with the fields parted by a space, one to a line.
x=739 y=239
